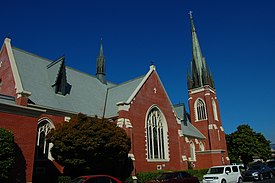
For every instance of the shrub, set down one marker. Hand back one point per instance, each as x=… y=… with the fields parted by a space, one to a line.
x=64 y=179
x=198 y=173
x=7 y=154
x=147 y=176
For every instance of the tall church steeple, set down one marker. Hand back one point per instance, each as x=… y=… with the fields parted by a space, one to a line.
x=200 y=75
x=203 y=104
x=100 y=65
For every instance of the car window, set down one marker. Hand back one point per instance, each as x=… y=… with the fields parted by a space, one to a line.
x=234 y=168
x=255 y=167
x=216 y=170
x=228 y=169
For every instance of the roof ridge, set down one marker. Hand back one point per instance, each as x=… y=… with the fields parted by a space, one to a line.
x=32 y=54
x=126 y=82
x=56 y=61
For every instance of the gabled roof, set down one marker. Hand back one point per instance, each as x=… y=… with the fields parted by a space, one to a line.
x=187 y=128
x=120 y=93
x=87 y=94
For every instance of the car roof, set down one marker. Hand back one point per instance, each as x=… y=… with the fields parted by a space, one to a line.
x=90 y=176
x=222 y=166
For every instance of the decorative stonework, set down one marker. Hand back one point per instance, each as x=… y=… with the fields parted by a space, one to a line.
x=180 y=133
x=124 y=121
x=184 y=158
x=67 y=118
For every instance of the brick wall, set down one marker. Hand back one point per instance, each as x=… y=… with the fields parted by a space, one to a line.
x=152 y=93
x=7 y=81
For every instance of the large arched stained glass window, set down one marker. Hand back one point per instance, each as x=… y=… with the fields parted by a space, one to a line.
x=42 y=146
x=200 y=109
x=156 y=135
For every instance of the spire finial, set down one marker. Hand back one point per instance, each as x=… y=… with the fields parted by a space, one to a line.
x=101 y=47
x=190 y=13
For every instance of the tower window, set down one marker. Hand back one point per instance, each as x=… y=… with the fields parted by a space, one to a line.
x=214 y=106
x=156 y=135
x=200 y=110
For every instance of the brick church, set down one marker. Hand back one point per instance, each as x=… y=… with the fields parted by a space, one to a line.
x=37 y=93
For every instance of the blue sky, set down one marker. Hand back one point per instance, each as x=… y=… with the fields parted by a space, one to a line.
x=236 y=37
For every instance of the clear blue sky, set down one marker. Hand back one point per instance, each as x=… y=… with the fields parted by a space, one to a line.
x=237 y=38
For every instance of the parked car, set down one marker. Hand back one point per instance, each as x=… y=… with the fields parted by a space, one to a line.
x=257 y=172
x=223 y=174
x=271 y=164
x=96 y=179
x=175 y=177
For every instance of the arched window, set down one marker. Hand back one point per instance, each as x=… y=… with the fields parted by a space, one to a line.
x=192 y=151
x=200 y=110
x=201 y=146
x=42 y=146
x=214 y=106
x=156 y=135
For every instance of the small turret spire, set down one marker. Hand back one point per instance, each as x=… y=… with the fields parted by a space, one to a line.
x=100 y=65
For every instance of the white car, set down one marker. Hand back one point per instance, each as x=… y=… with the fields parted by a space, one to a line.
x=223 y=174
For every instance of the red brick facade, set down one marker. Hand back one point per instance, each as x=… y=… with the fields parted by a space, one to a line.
x=22 y=120
x=6 y=75
x=211 y=128
x=151 y=94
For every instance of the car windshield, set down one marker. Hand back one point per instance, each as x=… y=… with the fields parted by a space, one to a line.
x=255 y=167
x=78 y=180
x=216 y=170
x=165 y=176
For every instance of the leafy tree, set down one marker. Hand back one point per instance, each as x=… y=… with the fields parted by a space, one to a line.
x=244 y=143
x=7 y=154
x=88 y=145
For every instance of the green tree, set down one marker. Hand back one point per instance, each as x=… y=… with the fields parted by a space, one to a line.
x=7 y=154
x=244 y=143
x=87 y=145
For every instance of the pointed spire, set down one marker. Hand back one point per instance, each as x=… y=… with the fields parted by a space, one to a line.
x=100 y=65
x=200 y=74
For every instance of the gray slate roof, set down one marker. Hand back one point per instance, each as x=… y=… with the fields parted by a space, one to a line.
x=87 y=94
x=187 y=128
